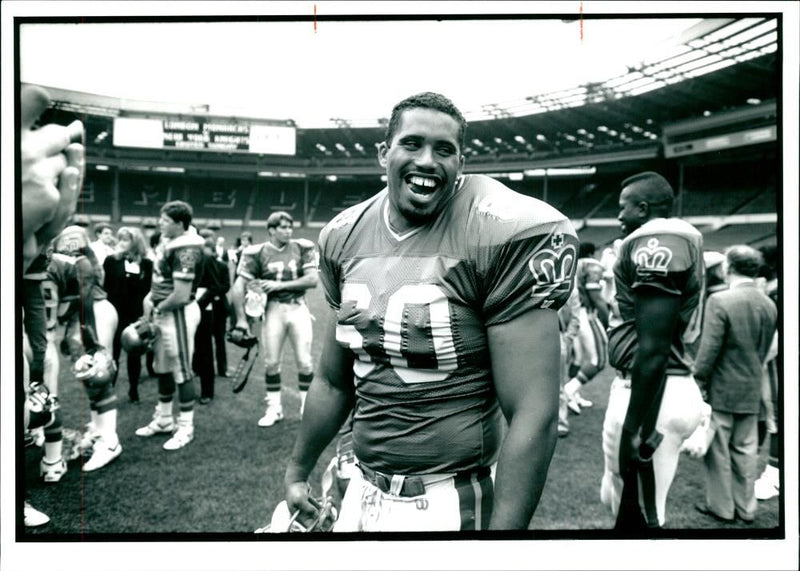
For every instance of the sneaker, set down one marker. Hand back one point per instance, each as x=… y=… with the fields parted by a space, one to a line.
x=52 y=472
x=273 y=414
x=582 y=402
x=103 y=454
x=159 y=425
x=183 y=436
x=33 y=517
x=573 y=405
x=92 y=435
x=765 y=490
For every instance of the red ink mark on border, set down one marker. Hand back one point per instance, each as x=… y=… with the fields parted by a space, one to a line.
x=581 y=10
x=315 y=18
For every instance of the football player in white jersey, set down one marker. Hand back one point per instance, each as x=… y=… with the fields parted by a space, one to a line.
x=283 y=269
x=654 y=403
x=444 y=291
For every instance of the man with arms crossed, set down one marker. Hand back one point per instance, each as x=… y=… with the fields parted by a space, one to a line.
x=654 y=403
x=445 y=290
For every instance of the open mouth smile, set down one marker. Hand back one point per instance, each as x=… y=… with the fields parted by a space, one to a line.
x=422 y=185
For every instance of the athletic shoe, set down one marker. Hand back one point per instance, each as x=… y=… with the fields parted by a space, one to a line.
x=765 y=490
x=582 y=402
x=35 y=437
x=103 y=454
x=573 y=405
x=183 y=436
x=92 y=435
x=271 y=416
x=159 y=425
x=52 y=472
x=33 y=517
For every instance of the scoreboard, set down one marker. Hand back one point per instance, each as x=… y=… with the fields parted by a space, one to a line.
x=203 y=134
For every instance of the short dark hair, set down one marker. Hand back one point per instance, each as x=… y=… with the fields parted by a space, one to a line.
x=179 y=211
x=426 y=100
x=276 y=218
x=744 y=260
x=207 y=233
x=100 y=226
x=586 y=250
x=653 y=189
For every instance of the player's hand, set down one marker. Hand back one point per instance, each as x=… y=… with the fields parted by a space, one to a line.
x=52 y=168
x=268 y=286
x=297 y=495
x=241 y=329
x=628 y=451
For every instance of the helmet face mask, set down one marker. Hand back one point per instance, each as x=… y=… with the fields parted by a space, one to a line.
x=284 y=522
x=97 y=368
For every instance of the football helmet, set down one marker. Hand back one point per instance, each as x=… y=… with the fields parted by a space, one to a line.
x=138 y=337
x=284 y=522
x=70 y=241
x=97 y=368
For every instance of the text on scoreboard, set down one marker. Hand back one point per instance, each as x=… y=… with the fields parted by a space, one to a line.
x=204 y=135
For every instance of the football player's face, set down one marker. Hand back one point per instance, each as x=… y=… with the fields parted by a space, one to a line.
x=282 y=233
x=423 y=162
x=630 y=211
x=169 y=227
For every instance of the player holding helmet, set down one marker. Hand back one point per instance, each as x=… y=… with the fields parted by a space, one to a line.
x=283 y=269
x=172 y=308
x=90 y=322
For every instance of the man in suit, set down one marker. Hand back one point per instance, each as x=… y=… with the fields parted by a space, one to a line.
x=738 y=327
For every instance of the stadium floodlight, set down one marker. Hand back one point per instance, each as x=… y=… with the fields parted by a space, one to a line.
x=516 y=176
x=101 y=167
x=331 y=178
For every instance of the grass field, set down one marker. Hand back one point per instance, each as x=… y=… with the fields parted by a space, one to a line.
x=230 y=478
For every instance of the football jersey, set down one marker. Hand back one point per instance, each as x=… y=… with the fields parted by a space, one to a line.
x=666 y=254
x=176 y=259
x=413 y=308
x=61 y=287
x=268 y=262
x=588 y=277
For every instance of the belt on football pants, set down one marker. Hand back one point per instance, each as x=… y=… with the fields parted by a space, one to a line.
x=411 y=486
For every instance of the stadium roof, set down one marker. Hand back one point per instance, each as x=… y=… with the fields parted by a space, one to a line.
x=349 y=74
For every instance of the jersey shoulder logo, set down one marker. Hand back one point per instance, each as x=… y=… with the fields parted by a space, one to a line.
x=188 y=257
x=553 y=268
x=652 y=259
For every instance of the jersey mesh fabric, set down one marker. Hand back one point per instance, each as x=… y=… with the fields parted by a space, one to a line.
x=180 y=258
x=267 y=262
x=665 y=254
x=413 y=310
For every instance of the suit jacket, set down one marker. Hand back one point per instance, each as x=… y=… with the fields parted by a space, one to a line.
x=738 y=327
x=126 y=290
x=214 y=281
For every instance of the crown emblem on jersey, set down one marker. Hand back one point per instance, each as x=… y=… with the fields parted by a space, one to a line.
x=553 y=270
x=652 y=258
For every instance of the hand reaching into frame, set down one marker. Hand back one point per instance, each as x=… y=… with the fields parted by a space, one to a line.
x=52 y=161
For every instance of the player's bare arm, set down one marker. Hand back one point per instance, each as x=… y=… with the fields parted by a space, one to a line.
x=237 y=297
x=656 y=319
x=525 y=356
x=330 y=399
x=308 y=280
x=181 y=295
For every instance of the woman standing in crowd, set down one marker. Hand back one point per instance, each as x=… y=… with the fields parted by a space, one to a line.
x=128 y=275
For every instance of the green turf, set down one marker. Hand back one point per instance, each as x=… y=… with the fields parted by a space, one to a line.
x=230 y=478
